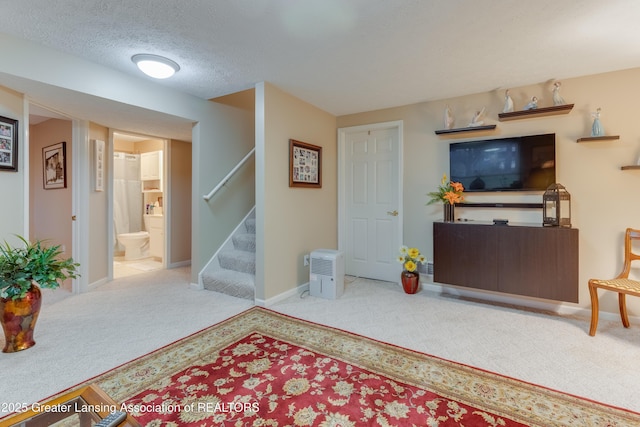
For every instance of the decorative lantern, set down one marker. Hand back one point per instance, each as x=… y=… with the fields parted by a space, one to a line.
x=556 y=205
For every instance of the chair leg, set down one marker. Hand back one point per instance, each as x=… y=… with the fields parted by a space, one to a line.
x=593 y=291
x=622 y=302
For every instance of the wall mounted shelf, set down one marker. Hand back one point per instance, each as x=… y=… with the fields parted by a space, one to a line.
x=598 y=138
x=501 y=205
x=467 y=129
x=630 y=167
x=537 y=112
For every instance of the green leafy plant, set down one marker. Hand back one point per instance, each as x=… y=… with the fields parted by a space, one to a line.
x=21 y=266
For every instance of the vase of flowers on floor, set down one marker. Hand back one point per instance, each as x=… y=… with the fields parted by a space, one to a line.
x=410 y=258
x=24 y=269
x=449 y=193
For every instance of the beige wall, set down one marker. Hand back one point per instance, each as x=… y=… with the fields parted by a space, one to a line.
x=180 y=191
x=12 y=220
x=98 y=210
x=245 y=100
x=603 y=196
x=50 y=210
x=291 y=222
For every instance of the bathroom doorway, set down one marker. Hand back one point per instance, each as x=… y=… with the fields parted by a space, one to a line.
x=138 y=204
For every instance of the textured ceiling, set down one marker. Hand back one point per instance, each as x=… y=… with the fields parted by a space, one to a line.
x=344 y=56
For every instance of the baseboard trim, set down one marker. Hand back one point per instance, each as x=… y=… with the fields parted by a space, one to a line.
x=284 y=295
x=185 y=263
x=560 y=308
x=94 y=285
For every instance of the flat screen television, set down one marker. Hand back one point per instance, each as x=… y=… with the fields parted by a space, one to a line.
x=523 y=163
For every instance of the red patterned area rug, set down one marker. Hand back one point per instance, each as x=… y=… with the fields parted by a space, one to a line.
x=261 y=368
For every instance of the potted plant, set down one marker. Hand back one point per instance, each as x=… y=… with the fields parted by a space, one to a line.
x=410 y=278
x=449 y=193
x=24 y=269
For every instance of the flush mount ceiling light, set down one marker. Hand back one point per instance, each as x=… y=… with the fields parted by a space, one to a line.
x=155 y=66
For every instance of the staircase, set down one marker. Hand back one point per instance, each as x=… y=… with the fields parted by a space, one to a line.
x=233 y=269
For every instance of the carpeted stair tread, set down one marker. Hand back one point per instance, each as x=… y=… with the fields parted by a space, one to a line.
x=235 y=275
x=250 y=225
x=245 y=242
x=242 y=261
x=229 y=282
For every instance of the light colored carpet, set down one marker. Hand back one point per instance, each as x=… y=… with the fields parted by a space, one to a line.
x=81 y=336
x=280 y=370
x=541 y=348
x=147 y=265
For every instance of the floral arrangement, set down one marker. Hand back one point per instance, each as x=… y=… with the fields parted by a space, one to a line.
x=448 y=192
x=410 y=257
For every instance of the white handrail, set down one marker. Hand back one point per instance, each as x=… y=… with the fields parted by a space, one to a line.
x=229 y=175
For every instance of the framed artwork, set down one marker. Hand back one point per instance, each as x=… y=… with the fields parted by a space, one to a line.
x=305 y=165
x=99 y=164
x=54 y=166
x=8 y=144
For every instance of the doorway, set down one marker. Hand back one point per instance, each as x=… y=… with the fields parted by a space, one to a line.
x=370 y=199
x=138 y=196
x=50 y=216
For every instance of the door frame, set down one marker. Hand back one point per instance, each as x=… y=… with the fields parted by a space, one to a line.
x=81 y=160
x=166 y=174
x=398 y=125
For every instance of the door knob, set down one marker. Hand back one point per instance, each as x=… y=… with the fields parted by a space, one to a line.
x=73 y=217
x=392 y=213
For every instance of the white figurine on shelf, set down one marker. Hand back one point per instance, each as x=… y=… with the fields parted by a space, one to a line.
x=596 y=128
x=557 y=98
x=448 y=118
x=477 y=118
x=508 y=103
x=533 y=104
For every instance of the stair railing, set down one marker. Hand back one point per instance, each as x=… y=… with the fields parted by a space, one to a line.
x=226 y=179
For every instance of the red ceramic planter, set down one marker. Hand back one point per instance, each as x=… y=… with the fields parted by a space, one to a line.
x=19 y=320
x=410 y=281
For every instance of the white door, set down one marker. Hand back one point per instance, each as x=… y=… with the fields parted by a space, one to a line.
x=370 y=185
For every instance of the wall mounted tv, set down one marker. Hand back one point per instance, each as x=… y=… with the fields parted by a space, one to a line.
x=523 y=163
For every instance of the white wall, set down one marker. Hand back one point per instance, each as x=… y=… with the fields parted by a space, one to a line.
x=13 y=184
x=604 y=201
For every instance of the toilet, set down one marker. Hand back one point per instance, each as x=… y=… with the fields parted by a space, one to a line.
x=136 y=245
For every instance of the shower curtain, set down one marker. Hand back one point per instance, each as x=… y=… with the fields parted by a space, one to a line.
x=127 y=196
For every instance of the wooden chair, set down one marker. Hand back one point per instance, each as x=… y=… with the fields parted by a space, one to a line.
x=620 y=284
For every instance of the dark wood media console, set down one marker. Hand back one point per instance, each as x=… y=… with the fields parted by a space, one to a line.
x=523 y=259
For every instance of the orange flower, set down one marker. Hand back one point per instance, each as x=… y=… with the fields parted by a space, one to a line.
x=452 y=197
x=448 y=192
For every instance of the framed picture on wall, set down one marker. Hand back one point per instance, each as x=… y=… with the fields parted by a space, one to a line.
x=305 y=165
x=8 y=144
x=54 y=166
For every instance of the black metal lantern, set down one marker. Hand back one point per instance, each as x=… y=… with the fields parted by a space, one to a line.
x=556 y=206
